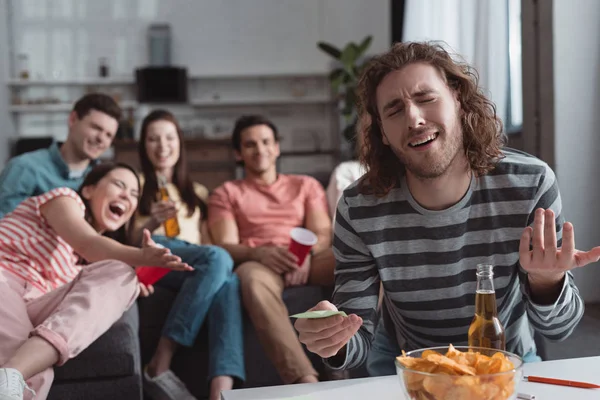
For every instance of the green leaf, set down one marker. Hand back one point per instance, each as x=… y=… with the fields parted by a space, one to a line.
x=344 y=80
x=364 y=46
x=335 y=74
x=349 y=106
x=349 y=102
x=351 y=97
x=350 y=132
x=348 y=56
x=338 y=81
x=330 y=49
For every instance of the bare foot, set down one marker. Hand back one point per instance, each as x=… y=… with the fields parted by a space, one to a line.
x=308 y=379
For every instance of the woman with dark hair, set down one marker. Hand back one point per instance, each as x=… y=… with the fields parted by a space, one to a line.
x=212 y=290
x=162 y=156
x=58 y=290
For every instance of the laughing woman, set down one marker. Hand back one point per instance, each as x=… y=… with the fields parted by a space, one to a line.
x=211 y=292
x=58 y=290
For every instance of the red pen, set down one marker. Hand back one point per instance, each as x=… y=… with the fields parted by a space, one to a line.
x=561 y=382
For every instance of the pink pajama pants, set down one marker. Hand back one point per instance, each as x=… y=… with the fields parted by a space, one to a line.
x=70 y=317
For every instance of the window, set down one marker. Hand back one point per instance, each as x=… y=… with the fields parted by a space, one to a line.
x=487 y=34
x=514 y=109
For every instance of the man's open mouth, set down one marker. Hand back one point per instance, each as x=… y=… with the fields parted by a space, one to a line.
x=424 y=140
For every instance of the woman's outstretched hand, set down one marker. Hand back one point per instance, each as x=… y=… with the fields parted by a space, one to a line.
x=158 y=256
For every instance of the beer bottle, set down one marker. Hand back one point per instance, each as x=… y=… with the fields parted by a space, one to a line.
x=171 y=225
x=486 y=330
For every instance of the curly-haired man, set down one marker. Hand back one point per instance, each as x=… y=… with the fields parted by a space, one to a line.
x=441 y=195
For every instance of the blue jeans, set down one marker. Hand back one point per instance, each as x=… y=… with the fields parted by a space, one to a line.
x=210 y=291
x=384 y=350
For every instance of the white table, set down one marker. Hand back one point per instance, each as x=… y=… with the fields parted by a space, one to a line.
x=388 y=387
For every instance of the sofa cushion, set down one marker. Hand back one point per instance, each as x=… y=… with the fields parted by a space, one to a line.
x=122 y=388
x=114 y=354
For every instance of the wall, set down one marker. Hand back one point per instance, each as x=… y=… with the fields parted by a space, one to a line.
x=6 y=125
x=477 y=30
x=233 y=49
x=577 y=121
x=235 y=37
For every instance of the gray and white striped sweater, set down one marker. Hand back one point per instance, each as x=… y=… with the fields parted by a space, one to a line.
x=427 y=261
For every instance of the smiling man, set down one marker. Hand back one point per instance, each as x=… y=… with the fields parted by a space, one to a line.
x=252 y=219
x=93 y=124
x=440 y=196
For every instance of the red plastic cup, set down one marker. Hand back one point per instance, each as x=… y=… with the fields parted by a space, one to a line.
x=150 y=275
x=302 y=241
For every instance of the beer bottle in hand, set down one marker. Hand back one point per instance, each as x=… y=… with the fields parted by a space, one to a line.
x=171 y=225
x=486 y=330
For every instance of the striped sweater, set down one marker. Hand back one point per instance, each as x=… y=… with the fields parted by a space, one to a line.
x=427 y=261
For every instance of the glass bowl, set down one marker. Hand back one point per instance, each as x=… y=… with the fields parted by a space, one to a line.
x=445 y=383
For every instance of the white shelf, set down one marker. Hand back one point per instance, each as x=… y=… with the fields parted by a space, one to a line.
x=127 y=104
x=61 y=107
x=264 y=101
x=73 y=82
x=286 y=75
x=116 y=81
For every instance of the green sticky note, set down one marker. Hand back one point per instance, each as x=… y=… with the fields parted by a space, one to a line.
x=319 y=314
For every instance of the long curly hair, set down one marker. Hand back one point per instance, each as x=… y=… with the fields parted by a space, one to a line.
x=483 y=136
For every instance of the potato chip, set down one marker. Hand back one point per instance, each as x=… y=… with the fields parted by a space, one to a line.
x=427 y=352
x=459 y=393
x=414 y=380
x=488 y=391
x=417 y=364
x=437 y=385
x=422 y=396
x=450 y=364
x=466 y=381
x=458 y=375
x=444 y=370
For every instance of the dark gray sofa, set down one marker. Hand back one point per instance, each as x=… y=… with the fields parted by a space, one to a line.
x=109 y=369
x=191 y=364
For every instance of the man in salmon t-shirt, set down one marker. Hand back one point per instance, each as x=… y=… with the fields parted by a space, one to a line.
x=252 y=219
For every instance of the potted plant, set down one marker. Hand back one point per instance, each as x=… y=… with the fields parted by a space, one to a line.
x=344 y=79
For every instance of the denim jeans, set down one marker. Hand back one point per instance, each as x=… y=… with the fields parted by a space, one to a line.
x=210 y=292
x=384 y=351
